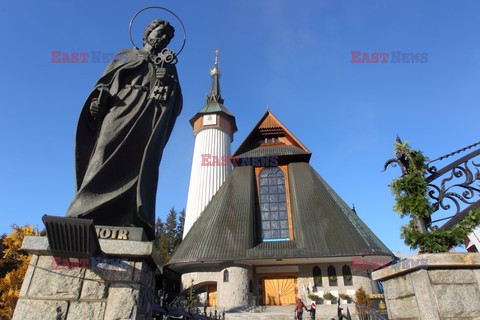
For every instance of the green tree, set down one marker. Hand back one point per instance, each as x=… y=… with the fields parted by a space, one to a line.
x=181 y=223
x=159 y=231
x=159 y=228
x=161 y=241
x=171 y=230
x=168 y=234
x=411 y=200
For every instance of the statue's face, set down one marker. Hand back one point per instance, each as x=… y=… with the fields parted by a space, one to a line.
x=158 y=39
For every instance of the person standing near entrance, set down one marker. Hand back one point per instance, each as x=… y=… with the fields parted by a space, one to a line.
x=312 y=311
x=299 y=306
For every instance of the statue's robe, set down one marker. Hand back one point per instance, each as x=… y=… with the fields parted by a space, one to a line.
x=117 y=157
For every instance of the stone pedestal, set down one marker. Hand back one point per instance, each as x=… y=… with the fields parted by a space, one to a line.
x=433 y=287
x=120 y=287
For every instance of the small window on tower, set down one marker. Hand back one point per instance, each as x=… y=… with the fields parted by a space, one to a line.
x=225 y=276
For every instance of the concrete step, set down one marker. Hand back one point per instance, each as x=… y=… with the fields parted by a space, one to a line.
x=324 y=312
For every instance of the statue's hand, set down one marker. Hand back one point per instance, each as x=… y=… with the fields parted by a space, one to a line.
x=95 y=108
x=160 y=73
x=98 y=106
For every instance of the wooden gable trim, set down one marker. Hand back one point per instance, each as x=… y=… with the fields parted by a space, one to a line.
x=274 y=127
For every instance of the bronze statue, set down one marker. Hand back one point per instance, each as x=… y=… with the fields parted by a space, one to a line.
x=122 y=131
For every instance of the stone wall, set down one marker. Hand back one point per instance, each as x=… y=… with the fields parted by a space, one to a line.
x=446 y=287
x=235 y=293
x=105 y=292
x=230 y=295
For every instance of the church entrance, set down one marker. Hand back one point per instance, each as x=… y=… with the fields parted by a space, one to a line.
x=279 y=290
x=212 y=295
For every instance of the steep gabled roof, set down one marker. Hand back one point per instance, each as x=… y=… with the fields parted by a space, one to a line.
x=269 y=125
x=324 y=225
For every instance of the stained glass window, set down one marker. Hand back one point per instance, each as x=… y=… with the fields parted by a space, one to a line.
x=273 y=205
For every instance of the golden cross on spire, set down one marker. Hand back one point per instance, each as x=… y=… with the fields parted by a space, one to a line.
x=216 y=56
x=215 y=68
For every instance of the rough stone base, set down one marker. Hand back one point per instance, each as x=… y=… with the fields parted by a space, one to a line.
x=231 y=294
x=105 y=292
x=446 y=287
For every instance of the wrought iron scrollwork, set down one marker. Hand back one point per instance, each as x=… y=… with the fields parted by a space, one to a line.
x=433 y=169
x=451 y=192
x=455 y=186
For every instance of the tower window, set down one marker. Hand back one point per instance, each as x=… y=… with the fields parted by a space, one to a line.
x=273 y=205
x=225 y=276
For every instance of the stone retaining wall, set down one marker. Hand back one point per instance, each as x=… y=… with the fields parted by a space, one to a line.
x=447 y=287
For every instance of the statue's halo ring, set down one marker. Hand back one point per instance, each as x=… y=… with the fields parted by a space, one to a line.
x=162 y=8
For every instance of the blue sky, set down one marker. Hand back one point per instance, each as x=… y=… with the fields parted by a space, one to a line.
x=293 y=56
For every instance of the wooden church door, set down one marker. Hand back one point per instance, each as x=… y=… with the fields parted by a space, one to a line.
x=212 y=295
x=280 y=291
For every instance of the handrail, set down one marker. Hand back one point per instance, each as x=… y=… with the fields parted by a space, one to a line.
x=367 y=313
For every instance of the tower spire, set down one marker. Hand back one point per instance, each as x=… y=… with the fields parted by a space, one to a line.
x=215 y=94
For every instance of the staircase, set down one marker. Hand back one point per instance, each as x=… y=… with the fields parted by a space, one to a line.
x=324 y=312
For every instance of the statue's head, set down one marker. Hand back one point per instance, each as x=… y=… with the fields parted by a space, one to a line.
x=158 y=34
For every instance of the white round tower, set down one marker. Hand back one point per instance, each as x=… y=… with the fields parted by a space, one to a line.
x=213 y=128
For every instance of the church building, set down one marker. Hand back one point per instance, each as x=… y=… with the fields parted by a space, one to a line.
x=262 y=227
